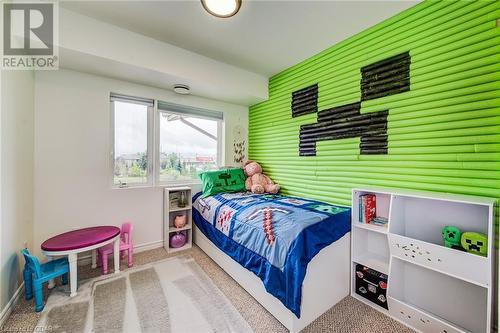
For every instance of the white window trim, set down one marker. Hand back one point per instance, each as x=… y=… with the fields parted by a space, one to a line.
x=150 y=150
x=157 y=150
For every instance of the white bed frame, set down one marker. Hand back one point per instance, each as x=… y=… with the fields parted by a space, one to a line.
x=325 y=284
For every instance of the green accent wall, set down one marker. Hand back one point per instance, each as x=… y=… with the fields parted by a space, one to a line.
x=444 y=134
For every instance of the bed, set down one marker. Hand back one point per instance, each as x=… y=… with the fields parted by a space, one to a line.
x=290 y=254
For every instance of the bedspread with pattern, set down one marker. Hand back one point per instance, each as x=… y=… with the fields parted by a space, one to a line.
x=273 y=236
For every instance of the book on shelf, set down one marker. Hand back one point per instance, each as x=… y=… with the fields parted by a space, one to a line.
x=381 y=221
x=367 y=208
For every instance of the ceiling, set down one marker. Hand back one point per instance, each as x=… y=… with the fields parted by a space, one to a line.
x=265 y=37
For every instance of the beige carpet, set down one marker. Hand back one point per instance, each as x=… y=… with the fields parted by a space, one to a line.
x=173 y=295
x=349 y=315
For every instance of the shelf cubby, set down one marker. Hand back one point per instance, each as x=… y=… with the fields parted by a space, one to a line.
x=430 y=301
x=383 y=201
x=172 y=215
x=419 y=319
x=171 y=209
x=424 y=218
x=186 y=246
x=415 y=234
x=371 y=249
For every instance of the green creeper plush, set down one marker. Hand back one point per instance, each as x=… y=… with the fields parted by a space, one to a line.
x=476 y=243
x=451 y=236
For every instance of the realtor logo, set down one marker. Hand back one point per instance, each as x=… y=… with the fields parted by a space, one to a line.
x=29 y=35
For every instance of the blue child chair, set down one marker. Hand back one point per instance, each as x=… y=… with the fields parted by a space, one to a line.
x=35 y=275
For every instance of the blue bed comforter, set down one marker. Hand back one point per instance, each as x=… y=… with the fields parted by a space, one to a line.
x=234 y=223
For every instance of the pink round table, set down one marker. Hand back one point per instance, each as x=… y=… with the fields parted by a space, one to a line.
x=76 y=241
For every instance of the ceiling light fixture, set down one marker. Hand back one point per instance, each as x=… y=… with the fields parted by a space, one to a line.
x=181 y=89
x=222 y=8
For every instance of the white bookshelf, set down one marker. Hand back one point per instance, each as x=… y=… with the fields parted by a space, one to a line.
x=431 y=288
x=171 y=210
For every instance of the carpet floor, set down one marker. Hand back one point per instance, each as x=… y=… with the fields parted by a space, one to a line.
x=348 y=316
x=173 y=295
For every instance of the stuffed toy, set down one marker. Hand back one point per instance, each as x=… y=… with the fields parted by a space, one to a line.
x=256 y=181
x=476 y=243
x=451 y=236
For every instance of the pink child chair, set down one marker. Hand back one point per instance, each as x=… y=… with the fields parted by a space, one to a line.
x=126 y=244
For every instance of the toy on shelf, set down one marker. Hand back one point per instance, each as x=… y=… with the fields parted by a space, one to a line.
x=180 y=221
x=451 y=236
x=472 y=242
x=182 y=200
x=475 y=243
x=178 y=239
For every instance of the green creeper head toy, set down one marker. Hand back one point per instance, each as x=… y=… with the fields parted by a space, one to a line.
x=451 y=236
x=476 y=243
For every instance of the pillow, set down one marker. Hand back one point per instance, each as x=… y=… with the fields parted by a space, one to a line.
x=224 y=180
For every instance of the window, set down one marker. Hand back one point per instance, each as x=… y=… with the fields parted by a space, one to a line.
x=131 y=151
x=182 y=141
x=189 y=142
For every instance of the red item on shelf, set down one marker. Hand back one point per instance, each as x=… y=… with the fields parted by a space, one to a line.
x=369 y=204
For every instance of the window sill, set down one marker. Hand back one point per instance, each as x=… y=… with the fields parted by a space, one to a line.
x=130 y=187
x=181 y=183
x=158 y=185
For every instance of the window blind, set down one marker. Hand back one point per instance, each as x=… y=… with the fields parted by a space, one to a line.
x=189 y=110
x=131 y=99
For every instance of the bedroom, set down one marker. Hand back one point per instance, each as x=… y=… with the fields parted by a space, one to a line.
x=378 y=120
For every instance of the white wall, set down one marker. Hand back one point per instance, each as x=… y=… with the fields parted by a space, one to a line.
x=16 y=177
x=72 y=144
x=90 y=45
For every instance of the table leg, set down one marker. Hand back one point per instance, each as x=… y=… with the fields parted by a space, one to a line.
x=73 y=274
x=116 y=253
x=52 y=283
x=94 y=258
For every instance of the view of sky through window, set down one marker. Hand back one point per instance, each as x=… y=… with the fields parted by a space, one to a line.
x=187 y=145
x=131 y=143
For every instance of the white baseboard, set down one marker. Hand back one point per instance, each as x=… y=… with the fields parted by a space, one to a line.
x=6 y=311
x=148 y=246
x=87 y=258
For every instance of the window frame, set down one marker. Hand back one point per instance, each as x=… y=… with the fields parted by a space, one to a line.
x=219 y=156
x=153 y=142
x=150 y=146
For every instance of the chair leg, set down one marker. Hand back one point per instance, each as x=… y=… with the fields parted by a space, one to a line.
x=38 y=297
x=99 y=260
x=104 y=264
x=130 y=257
x=94 y=258
x=28 y=284
x=64 y=279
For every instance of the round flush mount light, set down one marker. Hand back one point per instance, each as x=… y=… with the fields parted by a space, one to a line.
x=181 y=89
x=222 y=8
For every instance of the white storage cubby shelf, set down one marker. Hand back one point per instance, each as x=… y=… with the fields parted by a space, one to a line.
x=431 y=288
x=171 y=210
